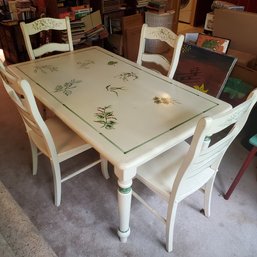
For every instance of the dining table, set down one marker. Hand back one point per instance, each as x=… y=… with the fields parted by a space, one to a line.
x=128 y=113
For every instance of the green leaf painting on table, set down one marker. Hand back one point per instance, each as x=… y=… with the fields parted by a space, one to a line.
x=112 y=89
x=126 y=76
x=112 y=63
x=85 y=64
x=67 y=87
x=45 y=68
x=105 y=117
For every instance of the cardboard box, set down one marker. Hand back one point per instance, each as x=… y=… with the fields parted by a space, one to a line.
x=239 y=27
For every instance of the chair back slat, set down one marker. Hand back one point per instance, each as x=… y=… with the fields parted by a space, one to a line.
x=208 y=157
x=44 y=24
x=51 y=47
x=162 y=34
x=30 y=122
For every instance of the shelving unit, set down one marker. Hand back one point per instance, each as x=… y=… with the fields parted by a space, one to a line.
x=12 y=43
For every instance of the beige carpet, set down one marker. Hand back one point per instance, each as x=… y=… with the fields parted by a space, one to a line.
x=18 y=236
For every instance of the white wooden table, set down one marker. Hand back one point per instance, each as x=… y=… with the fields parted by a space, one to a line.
x=128 y=113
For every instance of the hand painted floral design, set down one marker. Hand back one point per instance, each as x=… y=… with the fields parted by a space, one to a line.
x=126 y=76
x=45 y=68
x=85 y=64
x=201 y=88
x=105 y=117
x=164 y=100
x=46 y=24
x=163 y=34
x=113 y=89
x=67 y=87
x=112 y=63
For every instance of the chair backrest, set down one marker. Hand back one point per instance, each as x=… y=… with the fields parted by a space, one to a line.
x=45 y=24
x=21 y=94
x=204 y=153
x=165 y=35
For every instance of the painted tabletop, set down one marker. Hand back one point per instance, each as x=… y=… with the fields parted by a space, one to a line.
x=125 y=104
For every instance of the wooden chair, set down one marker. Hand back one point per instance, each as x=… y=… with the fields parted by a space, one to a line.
x=51 y=137
x=46 y=24
x=182 y=170
x=165 y=35
x=251 y=154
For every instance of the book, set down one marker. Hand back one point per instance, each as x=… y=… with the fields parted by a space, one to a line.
x=92 y=20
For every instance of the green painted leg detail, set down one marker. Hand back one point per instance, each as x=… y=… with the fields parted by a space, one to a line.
x=125 y=190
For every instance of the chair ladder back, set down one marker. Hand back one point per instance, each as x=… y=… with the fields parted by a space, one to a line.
x=21 y=94
x=165 y=35
x=201 y=156
x=45 y=24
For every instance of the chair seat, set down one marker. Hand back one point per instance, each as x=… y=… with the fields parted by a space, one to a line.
x=253 y=140
x=159 y=174
x=66 y=141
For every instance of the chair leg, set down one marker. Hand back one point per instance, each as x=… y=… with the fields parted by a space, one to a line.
x=170 y=225
x=57 y=182
x=241 y=172
x=34 y=153
x=104 y=167
x=208 y=195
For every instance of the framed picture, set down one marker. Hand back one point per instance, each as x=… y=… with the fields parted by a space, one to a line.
x=191 y=38
x=208 y=25
x=204 y=70
x=216 y=44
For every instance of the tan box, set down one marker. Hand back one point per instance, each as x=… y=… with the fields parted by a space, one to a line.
x=239 y=27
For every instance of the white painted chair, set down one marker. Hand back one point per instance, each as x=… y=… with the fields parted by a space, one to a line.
x=182 y=170
x=165 y=35
x=51 y=137
x=45 y=24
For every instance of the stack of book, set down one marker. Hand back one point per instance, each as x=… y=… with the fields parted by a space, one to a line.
x=94 y=29
x=96 y=33
x=86 y=29
x=77 y=12
x=157 y=6
x=142 y=3
x=77 y=32
x=24 y=9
